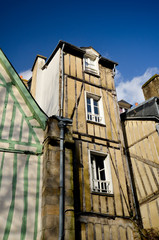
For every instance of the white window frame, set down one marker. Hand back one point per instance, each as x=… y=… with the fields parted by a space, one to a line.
x=97 y=185
x=91 y=116
x=90 y=64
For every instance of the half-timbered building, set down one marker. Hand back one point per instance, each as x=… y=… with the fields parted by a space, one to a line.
x=95 y=198
x=22 y=125
x=141 y=133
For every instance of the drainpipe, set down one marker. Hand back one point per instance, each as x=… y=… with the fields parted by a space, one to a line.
x=62 y=81
x=61 y=207
x=62 y=124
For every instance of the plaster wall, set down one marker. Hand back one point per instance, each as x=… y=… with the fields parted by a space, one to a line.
x=47 y=87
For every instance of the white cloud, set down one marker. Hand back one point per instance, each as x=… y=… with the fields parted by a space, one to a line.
x=131 y=90
x=26 y=74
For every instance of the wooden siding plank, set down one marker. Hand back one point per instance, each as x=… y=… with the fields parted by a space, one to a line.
x=113 y=117
x=103 y=204
x=109 y=78
x=86 y=177
x=122 y=177
x=66 y=63
x=81 y=108
x=145 y=216
x=115 y=233
x=71 y=99
x=90 y=231
x=79 y=67
x=98 y=231
x=81 y=179
x=122 y=233
x=86 y=77
x=154 y=215
x=151 y=178
x=106 y=232
x=97 y=130
x=83 y=231
x=107 y=115
x=90 y=129
x=141 y=193
x=116 y=190
x=146 y=184
x=103 y=76
x=72 y=65
x=95 y=203
x=111 y=207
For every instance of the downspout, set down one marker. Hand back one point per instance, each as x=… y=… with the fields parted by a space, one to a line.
x=62 y=195
x=61 y=127
x=62 y=81
x=63 y=122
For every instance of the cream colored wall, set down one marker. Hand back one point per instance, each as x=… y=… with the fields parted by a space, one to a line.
x=47 y=87
x=36 y=74
x=21 y=139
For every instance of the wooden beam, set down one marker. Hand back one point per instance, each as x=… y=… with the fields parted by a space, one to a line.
x=146 y=161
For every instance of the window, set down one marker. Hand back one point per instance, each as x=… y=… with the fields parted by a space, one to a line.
x=101 y=181
x=94 y=108
x=91 y=65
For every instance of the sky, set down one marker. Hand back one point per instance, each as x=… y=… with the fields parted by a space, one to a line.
x=126 y=32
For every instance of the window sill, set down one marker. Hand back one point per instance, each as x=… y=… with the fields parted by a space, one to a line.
x=102 y=194
x=97 y=123
x=92 y=73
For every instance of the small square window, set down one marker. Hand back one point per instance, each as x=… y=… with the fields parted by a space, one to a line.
x=94 y=108
x=101 y=180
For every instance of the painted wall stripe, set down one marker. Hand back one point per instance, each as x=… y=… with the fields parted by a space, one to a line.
x=4 y=112
x=1 y=169
x=37 y=199
x=21 y=129
x=24 y=219
x=12 y=121
x=11 y=209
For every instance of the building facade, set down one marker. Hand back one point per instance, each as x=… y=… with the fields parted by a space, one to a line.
x=22 y=125
x=141 y=134
x=151 y=87
x=77 y=85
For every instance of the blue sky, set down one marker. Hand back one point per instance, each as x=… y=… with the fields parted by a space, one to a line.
x=124 y=31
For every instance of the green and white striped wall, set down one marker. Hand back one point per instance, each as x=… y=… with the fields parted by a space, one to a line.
x=21 y=135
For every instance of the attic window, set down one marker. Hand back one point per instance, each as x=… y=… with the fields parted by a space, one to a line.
x=91 y=64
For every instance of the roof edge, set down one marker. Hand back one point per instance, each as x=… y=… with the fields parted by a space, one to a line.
x=80 y=51
x=152 y=78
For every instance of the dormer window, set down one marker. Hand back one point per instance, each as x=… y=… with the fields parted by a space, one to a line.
x=90 y=60
x=91 y=65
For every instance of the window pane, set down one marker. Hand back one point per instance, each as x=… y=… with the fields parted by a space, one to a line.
x=88 y=105
x=96 y=110
x=89 y=108
x=95 y=102
x=88 y=100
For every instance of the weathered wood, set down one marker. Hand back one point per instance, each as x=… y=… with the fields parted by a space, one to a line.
x=146 y=161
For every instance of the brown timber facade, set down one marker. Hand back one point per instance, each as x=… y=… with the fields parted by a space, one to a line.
x=98 y=196
x=141 y=128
